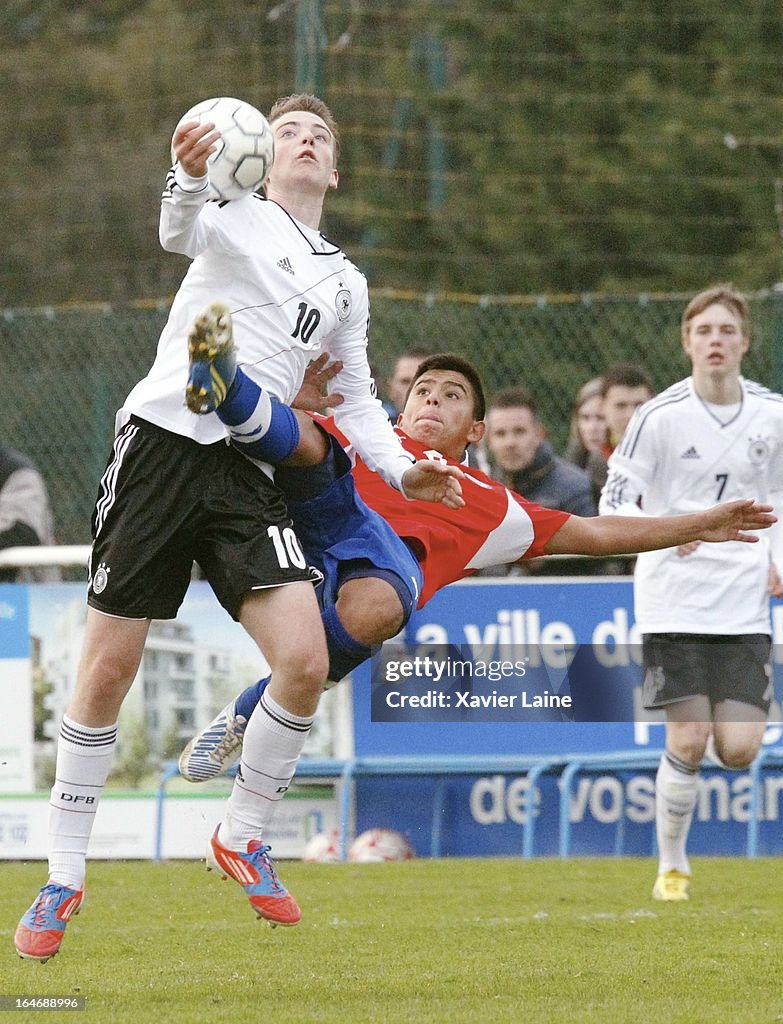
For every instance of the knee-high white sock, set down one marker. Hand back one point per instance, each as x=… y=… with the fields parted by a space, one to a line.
x=84 y=757
x=676 y=786
x=271 y=747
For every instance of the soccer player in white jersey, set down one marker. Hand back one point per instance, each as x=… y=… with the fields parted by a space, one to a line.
x=703 y=610
x=174 y=491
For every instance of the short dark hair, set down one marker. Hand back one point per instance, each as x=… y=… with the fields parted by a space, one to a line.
x=517 y=397
x=451 y=361
x=627 y=375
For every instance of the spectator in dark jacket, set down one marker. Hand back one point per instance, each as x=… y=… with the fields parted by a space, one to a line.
x=625 y=387
x=521 y=457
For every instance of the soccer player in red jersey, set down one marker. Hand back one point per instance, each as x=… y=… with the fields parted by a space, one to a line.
x=442 y=416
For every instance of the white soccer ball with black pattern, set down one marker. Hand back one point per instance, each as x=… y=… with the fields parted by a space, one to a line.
x=380 y=844
x=322 y=848
x=245 y=150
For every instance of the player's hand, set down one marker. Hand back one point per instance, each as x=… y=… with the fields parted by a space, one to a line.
x=730 y=521
x=434 y=481
x=774 y=582
x=192 y=144
x=311 y=395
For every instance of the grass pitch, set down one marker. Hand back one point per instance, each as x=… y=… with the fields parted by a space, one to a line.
x=431 y=942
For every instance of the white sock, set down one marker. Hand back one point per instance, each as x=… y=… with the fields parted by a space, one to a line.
x=271 y=747
x=676 y=787
x=84 y=757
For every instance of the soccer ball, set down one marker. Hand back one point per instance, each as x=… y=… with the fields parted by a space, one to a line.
x=245 y=149
x=380 y=844
x=322 y=848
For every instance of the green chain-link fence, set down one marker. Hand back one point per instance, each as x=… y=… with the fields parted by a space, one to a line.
x=67 y=370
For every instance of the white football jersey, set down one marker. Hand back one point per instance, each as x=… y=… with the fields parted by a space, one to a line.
x=292 y=295
x=677 y=456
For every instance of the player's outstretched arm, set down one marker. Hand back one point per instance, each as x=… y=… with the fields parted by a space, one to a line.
x=434 y=481
x=627 y=535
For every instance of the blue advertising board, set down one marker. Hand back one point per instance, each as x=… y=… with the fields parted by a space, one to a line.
x=16 y=690
x=14 y=627
x=610 y=810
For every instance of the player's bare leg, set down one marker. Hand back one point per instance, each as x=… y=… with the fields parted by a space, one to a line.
x=273 y=742
x=738 y=731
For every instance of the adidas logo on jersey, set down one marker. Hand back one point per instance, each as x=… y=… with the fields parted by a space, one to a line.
x=690 y=453
x=285 y=264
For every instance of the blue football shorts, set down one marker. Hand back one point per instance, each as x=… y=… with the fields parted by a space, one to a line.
x=343 y=538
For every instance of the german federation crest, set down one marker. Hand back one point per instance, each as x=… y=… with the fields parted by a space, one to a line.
x=342 y=304
x=758 y=451
x=101 y=578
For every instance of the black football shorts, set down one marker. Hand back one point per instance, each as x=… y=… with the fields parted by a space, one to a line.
x=682 y=665
x=166 y=501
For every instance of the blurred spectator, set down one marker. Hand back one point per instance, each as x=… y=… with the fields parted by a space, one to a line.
x=521 y=457
x=587 y=436
x=25 y=512
x=400 y=380
x=626 y=387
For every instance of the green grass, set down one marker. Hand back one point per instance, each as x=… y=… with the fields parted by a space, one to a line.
x=430 y=942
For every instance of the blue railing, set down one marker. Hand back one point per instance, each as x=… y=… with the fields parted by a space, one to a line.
x=566 y=766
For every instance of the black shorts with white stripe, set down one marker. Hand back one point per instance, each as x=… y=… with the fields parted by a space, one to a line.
x=166 y=501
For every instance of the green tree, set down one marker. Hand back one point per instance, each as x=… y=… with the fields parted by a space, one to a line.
x=41 y=714
x=172 y=744
x=133 y=762
x=504 y=147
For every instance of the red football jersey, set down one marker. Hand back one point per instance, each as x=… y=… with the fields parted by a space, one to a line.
x=495 y=526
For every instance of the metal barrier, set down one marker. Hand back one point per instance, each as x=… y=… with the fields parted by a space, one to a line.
x=772 y=757
x=313 y=768
x=443 y=767
x=619 y=761
x=347 y=771
x=567 y=766
x=69 y=555
x=62 y=555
